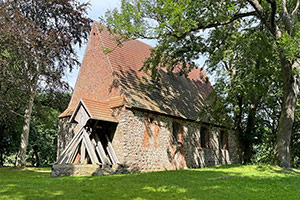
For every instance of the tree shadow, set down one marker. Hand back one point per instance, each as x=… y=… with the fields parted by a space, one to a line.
x=173 y=95
x=209 y=183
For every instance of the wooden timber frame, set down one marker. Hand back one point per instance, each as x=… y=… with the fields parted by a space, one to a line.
x=92 y=142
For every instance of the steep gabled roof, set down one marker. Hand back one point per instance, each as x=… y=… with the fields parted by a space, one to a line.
x=175 y=95
x=95 y=110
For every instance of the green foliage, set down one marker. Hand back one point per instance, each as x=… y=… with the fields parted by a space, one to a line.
x=247 y=88
x=221 y=182
x=251 y=47
x=42 y=146
x=295 y=144
x=43 y=132
x=290 y=45
x=37 y=40
x=12 y=100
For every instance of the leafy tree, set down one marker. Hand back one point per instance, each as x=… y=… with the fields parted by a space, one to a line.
x=246 y=84
x=295 y=146
x=41 y=34
x=12 y=100
x=44 y=127
x=183 y=29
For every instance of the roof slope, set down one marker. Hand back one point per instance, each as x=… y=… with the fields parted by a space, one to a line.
x=99 y=110
x=176 y=95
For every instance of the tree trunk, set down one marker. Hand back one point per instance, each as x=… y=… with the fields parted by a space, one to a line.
x=32 y=159
x=248 y=136
x=36 y=155
x=1 y=159
x=289 y=99
x=238 y=129
x=1 y=150
x=248 y=151
x=21 y=156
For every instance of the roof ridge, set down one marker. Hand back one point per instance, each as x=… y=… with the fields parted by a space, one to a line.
x=115 y=97
x=100 y=102
x=107 y=57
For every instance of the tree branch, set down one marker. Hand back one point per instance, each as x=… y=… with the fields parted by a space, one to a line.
x=214 y=25
x=12 y=111
x=284 y=8
x=232 y=19
x=294 y=13
x=273 y=28
x=286 y=18
x=260 y=12
x=200 y=26
x=273 y=12
x=258 y=8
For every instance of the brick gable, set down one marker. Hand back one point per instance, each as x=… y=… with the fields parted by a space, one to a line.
x=117 y=73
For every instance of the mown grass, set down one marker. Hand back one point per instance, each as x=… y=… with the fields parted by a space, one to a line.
x=221 y=182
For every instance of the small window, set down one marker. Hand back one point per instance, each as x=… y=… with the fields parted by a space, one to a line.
x=151 y=120
x=223 y=140
x=204 y=137
x=175 y=129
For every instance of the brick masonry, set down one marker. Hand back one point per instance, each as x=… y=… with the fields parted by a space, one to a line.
x=143 y=142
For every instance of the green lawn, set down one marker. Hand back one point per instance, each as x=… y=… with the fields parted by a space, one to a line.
x=221 y=182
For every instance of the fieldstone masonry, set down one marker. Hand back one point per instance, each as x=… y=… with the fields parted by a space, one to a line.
x=143 y=142
x=66 y=131
x=152 y=150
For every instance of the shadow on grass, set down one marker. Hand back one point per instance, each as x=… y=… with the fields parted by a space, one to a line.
x=237 y=182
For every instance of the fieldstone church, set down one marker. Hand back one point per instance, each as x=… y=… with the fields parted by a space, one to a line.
x=117 y=121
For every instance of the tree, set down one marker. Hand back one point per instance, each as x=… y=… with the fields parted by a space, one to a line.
x=183 y=27
x=12 y=100
x=42 y=34
x=246 y=87
x=42 y=146
x=295 y=154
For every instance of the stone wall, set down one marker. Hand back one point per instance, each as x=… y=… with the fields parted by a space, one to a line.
x=66 y=131
x=143 y=142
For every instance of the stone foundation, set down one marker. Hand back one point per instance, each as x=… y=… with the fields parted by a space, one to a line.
x=59 y=170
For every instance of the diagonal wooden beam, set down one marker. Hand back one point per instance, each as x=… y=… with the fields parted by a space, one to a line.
x=82 y=153
x=73 y=154
x=68 y=154
x=111 y=151
x=89 y=148
x=101 y=152
x=70 y=145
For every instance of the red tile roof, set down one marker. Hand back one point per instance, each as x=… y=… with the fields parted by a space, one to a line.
x=99 y=110
x=175 y=95
x=117 y=102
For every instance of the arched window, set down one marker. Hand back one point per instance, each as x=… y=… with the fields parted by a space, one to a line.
x=223 y=139
x=176 y=129
x=204 y=137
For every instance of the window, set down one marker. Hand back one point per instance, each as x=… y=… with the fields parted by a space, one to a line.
x=175 y=129
x=151 y=120
x=204 y=137
x=223 y=140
